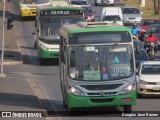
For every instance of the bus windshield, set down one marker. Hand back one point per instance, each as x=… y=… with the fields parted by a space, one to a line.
x=96 y=63
x=50 y=25
x=112 y=18
x=34 y=1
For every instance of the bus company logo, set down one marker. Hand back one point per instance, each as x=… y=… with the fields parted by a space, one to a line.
x=101 y=93
x=6 y=114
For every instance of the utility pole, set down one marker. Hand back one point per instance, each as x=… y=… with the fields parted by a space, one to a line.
x=2 y=51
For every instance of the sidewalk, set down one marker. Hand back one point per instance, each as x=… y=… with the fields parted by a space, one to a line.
x=12 y=54
x=16 y=91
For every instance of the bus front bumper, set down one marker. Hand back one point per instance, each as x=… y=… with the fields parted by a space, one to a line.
x=47 y=54
x=101 y=101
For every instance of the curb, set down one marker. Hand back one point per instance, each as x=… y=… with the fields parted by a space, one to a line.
x=12 y=57
x=12 y=63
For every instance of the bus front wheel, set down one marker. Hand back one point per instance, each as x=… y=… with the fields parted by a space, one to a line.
x=127 y=108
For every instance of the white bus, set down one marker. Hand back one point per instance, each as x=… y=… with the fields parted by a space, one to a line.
x=48 y=20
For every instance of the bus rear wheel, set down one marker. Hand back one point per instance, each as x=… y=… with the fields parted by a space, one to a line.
x=127 y=108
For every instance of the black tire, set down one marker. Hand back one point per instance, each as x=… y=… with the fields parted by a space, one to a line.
x=127 y=108
x=35 y=45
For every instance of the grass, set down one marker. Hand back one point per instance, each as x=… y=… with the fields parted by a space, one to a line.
x=148 y=10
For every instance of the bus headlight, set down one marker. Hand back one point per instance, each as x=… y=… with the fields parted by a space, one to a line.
x=75 y=91
x=128 y=88
x=44 y=47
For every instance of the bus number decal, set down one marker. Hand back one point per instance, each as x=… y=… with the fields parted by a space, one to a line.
x=121 y=71
x=89 y=48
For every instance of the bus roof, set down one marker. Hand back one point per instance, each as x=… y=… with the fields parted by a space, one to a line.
x=65 y=30
x=59 y=7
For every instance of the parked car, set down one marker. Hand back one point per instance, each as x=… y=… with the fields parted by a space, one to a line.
x=88 y=11
x=131 y=15
x=104 y=2
x=139 y=52
x=78 y=2
x=112 y=14
x=148 y=75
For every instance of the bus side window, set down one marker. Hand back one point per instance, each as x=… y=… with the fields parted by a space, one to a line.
x=62 y=49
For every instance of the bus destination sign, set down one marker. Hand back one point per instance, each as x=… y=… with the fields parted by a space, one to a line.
x=100 y=37
x=61 y=12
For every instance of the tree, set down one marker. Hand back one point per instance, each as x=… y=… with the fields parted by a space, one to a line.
x=156 y=4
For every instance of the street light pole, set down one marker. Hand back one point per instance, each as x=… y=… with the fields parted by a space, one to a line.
x=2 y=51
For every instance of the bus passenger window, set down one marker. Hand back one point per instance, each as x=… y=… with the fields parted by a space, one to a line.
x=73 y=65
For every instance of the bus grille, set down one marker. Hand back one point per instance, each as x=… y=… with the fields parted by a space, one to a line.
x=101 y=100
x=150 y=90
x=99 y=94
x=101 y=87
x=33 y=12
x=152 y=83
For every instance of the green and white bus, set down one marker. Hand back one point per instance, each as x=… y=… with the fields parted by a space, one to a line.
x=48 y=20
x=97 y=65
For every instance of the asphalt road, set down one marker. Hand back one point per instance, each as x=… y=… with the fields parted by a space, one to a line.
x=46 y=78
